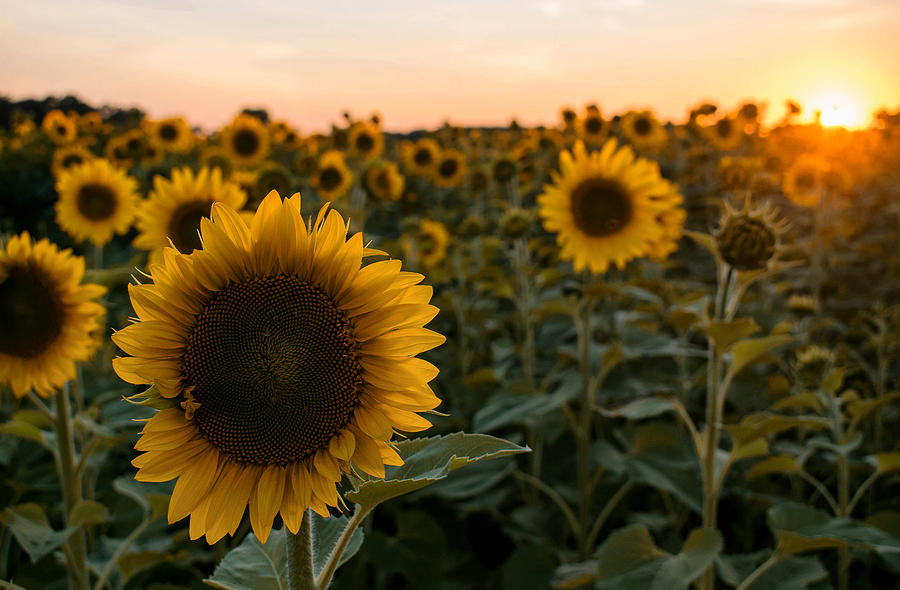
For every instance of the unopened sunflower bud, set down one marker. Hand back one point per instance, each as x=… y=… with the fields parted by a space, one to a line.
x=747 y=239
x=515 y=223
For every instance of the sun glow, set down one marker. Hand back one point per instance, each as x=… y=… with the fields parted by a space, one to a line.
x=839 y=108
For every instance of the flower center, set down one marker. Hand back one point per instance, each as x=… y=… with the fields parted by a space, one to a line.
x=723 y=128
x=364 y=143
x=422 y=157
x=330 y=178
x=245 y=142
x=168 y=132
x=448 y=168
x=600 y=207
x=805 y=181
x=62 y=130
x=31 y=312
x=96 y=201
x=72 y=160
x=593 y=125
x=275 y=370
x=185 y=223
x=642 y=126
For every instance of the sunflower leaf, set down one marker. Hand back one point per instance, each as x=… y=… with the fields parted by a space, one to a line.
x=253 y=565
x=31 y=528
x=427 y=460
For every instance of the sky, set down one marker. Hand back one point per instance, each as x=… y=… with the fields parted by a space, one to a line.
x=472 y=62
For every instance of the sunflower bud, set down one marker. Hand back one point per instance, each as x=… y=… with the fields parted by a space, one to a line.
x=747 y=239
x=515 y=223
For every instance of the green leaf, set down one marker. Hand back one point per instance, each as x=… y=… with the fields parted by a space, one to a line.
x=762 y=424
x=31 y=528
x=886 y=462
x=625 y=550
x=790 y=573
x=754 y=448
x=860 y=407
x=153 y=498
x=87 y=513
x=776 y=464
x=696 y=556
x=427 y=460
x=751 y=350
x=253 y=566
x=325 y=532
x=659 y=458
x=23 y=430
x=641 y=409
x=725 y=334
x=505 y=409
x=705 y=240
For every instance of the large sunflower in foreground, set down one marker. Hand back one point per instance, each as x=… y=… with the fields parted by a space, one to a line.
x=246 y=140
x=96 y=200
x=609 y=207
x=285 y=363
x=48 y=320
x=174 y=208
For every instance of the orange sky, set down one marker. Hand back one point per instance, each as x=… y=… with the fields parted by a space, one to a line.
x=474 y=62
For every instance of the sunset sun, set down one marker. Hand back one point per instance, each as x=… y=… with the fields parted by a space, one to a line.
x=839 y=108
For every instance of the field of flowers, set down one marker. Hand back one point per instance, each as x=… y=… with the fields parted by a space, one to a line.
x=612 y=353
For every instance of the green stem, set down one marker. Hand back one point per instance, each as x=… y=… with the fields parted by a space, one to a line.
x=300 y=556
x=860 y=491
x=71 y=489
x=524 y=303
x=755 y=574
x=557 y=499
x=120 y=550
x=583 y=430
x=607 y=510
x=324 y=578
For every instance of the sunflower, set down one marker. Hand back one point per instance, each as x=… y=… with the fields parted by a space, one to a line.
x=420 y=157
x=592 y=129
x=48 y=321
x=726 y=134
x=96 y=200
x=67 y=156
x=174 y=208
x=284 y=363
x=332 y=178
x=215 y=157
x=429 y=243
x=384 y=181
x=59 y=127
x=644 y=131
x=246 y=140
x=283 y=134
x=366 y=141
x=450 y=168
x=609 y=206
x=172 y=135
x=803 y=180
x=271 y=176
x=130 y=148
x=90 y=123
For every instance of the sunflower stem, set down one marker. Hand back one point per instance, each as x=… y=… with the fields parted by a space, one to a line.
x=324 y=578
x=71 y=489
x=583 y=429
x=300 y=557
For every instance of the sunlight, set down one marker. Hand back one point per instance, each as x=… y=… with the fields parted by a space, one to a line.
x=839 y=109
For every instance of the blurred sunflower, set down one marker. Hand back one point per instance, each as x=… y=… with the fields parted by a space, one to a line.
x=366 y=141
x=246 y=140
x=609 y=207
x=333 y=179
x=96 y=200
x=215 y=156
x=128 y=149
x=59 y=127
x=802 y=181
x=503 y=169
x=569 y=119
x=90 y=123
x=48 y=320
x=428 y=243
x=174 y=208
x=172 y=135
x=592 y=129
x=286 y=365
x=384 y=181
x=271 y=176
x=421 y=157
x=283 y=134
x=450 y=168
x=726 y=134
x=644 y=131
x=67 y=156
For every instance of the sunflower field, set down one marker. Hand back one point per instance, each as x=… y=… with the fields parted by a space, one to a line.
x=613 y=353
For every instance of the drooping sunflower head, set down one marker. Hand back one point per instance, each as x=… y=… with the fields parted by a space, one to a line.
x=333 y=178
x=450 y=168
x=802 y=182
x=643 y=130
x=609 y=206
x=366 y=141
x=171 y=134
x=421 y=157
x=283 y=363
x=48 y=319
x=174 y=208
x=748 y=239
x=59 y=127
x=384 y=181
x=96 y=200
x=246 y=140
x=68 y=156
